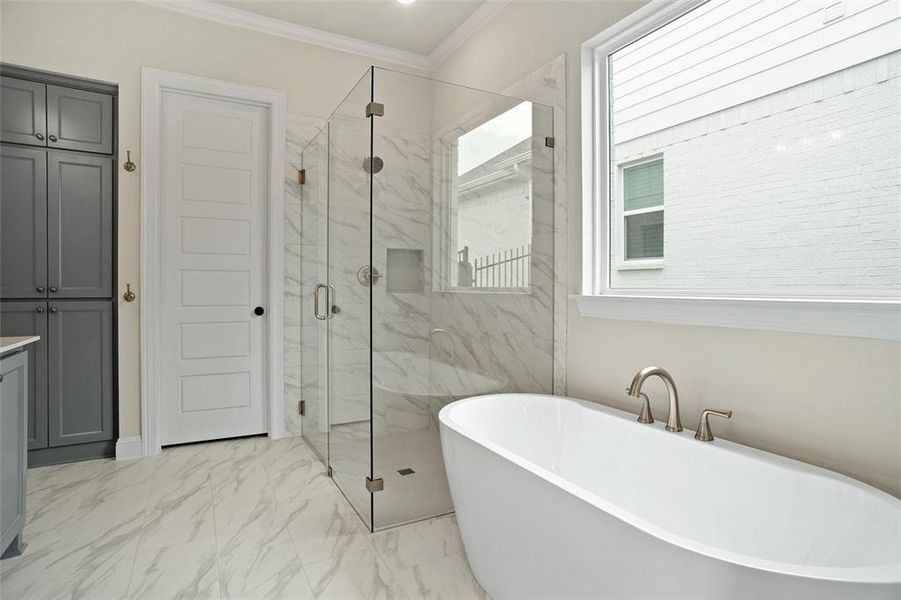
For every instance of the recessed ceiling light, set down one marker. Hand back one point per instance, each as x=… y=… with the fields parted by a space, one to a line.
x=406 y=1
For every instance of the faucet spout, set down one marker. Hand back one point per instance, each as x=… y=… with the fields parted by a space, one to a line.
x=673 y=421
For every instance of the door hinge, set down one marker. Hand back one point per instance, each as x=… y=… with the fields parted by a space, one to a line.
x=375 y=109
x=375 y=485
x=328 y=471
x=549 y=142
x=302 y=407
x=302 y=176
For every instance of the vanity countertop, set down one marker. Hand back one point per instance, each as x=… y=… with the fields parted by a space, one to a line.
x=8 y=343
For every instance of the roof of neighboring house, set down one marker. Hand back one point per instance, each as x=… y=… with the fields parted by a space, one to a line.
x=523 y=148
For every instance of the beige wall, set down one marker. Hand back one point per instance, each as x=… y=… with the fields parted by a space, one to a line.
x=826 y=400
x=111 y=41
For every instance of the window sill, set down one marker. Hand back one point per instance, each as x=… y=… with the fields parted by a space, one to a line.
x=639 y=265
x=878 y=319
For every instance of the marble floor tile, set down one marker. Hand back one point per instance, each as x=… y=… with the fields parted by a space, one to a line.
x=447 y=578
x=184 y=571
x=247 y=518
x=354 y=575
x=269 y=572
x=247 y=521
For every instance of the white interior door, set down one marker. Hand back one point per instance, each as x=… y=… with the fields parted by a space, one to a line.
x=214 y=200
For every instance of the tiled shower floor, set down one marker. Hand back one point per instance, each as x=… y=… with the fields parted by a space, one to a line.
x=248 y=518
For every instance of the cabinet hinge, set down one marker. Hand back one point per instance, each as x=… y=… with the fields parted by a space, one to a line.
x=549 y=142
x=375 y=485
x=302 y=407
x=375 y=109
x=302 y=176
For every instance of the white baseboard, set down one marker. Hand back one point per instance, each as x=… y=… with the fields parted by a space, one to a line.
x=129 y=447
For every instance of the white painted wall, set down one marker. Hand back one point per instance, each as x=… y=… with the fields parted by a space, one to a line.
x=830 y=401
x=111 y=41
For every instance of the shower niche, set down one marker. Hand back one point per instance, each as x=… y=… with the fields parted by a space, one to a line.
x=426 y=270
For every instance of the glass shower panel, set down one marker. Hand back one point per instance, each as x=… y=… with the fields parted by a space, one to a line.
x=347 y=310
x=462 y=234
x=313 y=332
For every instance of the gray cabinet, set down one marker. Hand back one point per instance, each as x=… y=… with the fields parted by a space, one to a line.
x=80 y=366
x=13 y=391
x=80 y=225
x=57 y=256
x=28 y=318
x=79 y=120
x=23 y=114
x=23 y=222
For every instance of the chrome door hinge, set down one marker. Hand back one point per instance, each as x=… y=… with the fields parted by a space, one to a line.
x=549 y=142
x=302 y=407
x=302 y=176
x=375 y=485
x=375 y=109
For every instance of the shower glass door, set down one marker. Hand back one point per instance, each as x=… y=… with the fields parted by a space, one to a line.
x=347 y=310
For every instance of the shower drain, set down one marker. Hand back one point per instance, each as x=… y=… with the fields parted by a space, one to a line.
x=406 y=471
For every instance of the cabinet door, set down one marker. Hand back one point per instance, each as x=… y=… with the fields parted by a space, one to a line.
x=25 y=317
x=80 y=371
x=13 y=388
x=79 y=120
x=23 y=222
x=80 y=224
x=23 y=111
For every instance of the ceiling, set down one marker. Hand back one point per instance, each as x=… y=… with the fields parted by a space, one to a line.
x=418 y=27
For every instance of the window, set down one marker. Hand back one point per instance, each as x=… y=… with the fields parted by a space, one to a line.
x=745 y=151
x=491 y=212
x=642 y=226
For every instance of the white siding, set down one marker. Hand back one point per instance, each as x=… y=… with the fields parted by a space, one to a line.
x=728 y=52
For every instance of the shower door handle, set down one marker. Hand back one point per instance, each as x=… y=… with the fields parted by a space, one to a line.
x=330 y=300
x=316 y=312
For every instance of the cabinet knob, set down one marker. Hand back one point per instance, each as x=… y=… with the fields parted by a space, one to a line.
x=53 y=309
x=40 y=289
x=40 y=136
x=39 y=309
x=52 y=290
x=52 y=138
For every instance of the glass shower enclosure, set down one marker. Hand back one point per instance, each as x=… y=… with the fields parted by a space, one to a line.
x=426 y=259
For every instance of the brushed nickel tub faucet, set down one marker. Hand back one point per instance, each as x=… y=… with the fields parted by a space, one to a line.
x=673 y=422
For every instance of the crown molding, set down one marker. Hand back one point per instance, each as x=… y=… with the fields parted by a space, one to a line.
x=227 y=15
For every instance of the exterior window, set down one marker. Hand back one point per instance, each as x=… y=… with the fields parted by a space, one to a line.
x=642 y=193
x=746 y=149
x=491 y=212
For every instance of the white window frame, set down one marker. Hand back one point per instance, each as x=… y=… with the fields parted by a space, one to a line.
x=877 y=317
x=623 y=263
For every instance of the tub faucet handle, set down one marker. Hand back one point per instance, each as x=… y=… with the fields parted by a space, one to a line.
x=703 y=433
x=645 y=415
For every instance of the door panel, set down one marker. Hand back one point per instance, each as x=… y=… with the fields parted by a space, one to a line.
x=23 y=111
x=23 y=222
x=214 y=185
x=29 y=317
x=80 y=218
x=79 y=120
x=80 y=363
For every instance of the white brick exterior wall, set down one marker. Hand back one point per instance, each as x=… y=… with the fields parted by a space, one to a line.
x=798 y=190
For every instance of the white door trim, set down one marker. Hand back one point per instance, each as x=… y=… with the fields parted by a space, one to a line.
x=154 y=83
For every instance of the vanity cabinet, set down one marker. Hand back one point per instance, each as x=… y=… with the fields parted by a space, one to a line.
x=13 y=391
x=57 y=251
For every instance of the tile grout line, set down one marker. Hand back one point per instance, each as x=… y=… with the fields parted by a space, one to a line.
x=215 y=536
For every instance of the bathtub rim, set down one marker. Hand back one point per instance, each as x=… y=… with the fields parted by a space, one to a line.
x=883 y=574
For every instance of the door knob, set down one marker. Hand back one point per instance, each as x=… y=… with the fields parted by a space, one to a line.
x=40 y=136
x=258 y=311
x=52 y=138
x=40 y=289
x=39 y=309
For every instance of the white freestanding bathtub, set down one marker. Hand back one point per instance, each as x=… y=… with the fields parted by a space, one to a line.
x=562 y=498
